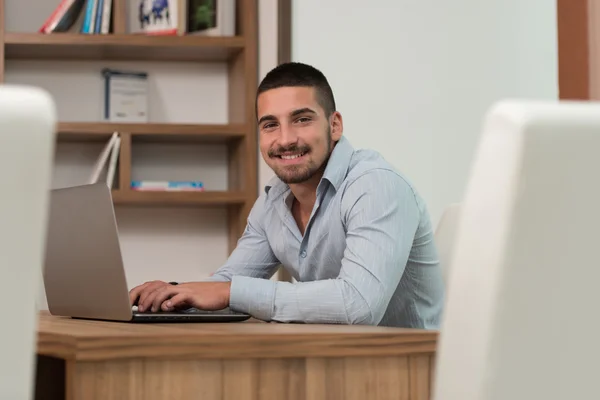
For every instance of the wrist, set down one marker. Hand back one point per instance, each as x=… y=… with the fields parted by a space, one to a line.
x=227 y=291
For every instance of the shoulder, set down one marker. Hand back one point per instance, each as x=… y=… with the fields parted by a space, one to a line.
x=267 y=196
x=369 y=171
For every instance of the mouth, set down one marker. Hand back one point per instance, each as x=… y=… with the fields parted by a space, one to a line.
x=291 y=158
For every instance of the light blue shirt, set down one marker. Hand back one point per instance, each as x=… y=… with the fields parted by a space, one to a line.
x=367 y=256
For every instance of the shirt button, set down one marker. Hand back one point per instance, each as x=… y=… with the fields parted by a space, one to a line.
x=303 y=254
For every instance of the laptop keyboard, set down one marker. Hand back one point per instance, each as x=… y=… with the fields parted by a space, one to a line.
x=192 y=310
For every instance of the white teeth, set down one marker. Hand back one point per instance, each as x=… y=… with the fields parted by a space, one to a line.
x=292 y=157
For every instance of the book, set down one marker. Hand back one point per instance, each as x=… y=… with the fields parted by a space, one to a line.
x=211 y=17
x=167 y=186
x=125 y=96
x=154 y=17
x=81 y=16
x=64 y=17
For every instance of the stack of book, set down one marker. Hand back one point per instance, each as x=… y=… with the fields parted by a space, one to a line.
x=83 y=16
x=150 y=17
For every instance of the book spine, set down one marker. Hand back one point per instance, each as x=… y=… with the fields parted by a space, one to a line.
x=56 y=16
x=106 y=16
x=93 y=16
x=98 y=16
x=85 y=28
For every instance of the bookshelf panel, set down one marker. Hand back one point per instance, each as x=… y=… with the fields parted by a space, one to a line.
x=74 y=46
x=215 y=198
x=151 y=132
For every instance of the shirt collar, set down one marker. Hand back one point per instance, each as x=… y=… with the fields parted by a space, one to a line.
x=335 y=171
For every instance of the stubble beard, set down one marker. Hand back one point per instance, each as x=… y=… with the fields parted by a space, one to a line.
x=295 y=174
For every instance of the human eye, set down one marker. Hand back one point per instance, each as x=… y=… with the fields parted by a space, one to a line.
x=303 y=120
x=269 y=125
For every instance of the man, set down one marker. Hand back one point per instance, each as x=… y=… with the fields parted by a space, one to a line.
x=349 y=228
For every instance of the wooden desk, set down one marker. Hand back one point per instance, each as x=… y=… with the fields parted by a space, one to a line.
x=251 y=360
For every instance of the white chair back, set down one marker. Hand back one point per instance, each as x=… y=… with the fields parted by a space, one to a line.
x=445 y=238
x=27 y=126
x=521 y=318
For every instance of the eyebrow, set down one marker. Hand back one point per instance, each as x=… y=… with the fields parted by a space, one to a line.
x=294 y=113
x=305 y=110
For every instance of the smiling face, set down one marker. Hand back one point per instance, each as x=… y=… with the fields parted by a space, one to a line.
x=296 y=136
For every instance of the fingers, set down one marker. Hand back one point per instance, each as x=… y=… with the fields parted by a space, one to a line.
x=147 y=295
x=135 y=292
x=177 y=301
x=160 y=295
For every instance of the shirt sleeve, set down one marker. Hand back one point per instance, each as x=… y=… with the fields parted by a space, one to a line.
x=252 y=256
x=381 y=215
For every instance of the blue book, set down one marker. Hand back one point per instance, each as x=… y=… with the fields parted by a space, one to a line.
x=166 y=185
x=99 y=12
x=87 y=21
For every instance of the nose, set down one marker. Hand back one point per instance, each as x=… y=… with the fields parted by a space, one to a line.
x=287 y=136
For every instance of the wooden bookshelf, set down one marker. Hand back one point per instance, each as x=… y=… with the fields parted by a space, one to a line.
x=214 y=198
x=70 y=46
x=239 y=134
x=150 y=132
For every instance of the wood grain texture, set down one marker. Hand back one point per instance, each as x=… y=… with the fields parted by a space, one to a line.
x=420 y=376
x=97 y=340
x=119 y=16
x=86 y=359
x=314 y=378
x=2 y=29
x=594 y=49
x=150 y=132
x=284 y=31
x=124 y=164
x=243 y=155
x=573 y=49
x=158 y=198
x=69 y=46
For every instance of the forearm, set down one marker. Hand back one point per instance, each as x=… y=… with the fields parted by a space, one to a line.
x=244 y=262
x=332 y=301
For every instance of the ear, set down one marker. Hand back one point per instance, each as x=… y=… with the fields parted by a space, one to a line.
x=337 y=126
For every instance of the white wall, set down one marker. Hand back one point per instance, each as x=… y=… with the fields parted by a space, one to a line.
x=179 y=244
x=412 y=79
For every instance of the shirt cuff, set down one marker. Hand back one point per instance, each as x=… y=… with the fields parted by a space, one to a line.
x=252 y=296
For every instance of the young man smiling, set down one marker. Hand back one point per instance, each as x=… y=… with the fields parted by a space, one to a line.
x=347 y=226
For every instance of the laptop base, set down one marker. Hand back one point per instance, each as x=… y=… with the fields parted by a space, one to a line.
x=190 y=315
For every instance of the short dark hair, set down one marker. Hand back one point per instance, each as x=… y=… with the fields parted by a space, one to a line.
x=292 y=74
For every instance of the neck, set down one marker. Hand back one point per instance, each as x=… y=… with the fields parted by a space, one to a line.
x=305 y=193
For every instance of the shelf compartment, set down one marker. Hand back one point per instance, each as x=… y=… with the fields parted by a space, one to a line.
x=73 y=46
x=149 y=132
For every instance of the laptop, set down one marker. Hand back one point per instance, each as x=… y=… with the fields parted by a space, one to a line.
x=84 y=274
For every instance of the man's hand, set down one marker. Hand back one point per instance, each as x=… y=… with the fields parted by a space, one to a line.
x=158 y=295
x=138 y=294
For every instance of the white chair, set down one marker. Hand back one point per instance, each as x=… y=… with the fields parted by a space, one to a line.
x=27 y=126
x=521 y=319
x=445 y=235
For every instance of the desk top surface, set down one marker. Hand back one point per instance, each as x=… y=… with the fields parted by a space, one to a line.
x=68 y=338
